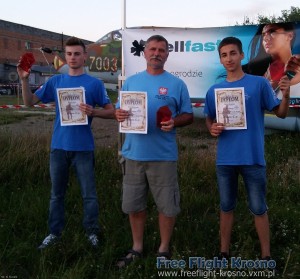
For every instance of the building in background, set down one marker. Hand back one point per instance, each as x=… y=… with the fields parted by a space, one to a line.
x=15 y=40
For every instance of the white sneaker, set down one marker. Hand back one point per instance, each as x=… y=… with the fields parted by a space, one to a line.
x=50 y=240
x=93 y=240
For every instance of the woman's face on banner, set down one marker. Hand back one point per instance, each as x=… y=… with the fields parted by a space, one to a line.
x=276 y=39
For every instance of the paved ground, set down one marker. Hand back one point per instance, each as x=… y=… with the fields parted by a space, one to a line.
x=106 y=131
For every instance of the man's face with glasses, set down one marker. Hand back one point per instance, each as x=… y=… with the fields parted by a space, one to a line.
x=276 y=39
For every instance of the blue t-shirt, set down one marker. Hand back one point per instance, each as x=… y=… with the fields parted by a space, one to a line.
x=244 y=147
x=75 y=137
x=162 y=90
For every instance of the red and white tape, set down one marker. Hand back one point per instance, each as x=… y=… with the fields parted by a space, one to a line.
x=198 y=105
x=23 y=106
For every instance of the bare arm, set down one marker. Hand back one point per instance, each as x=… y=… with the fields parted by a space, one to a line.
x=28 y=98
x=183 y=119
x=282 y=110
x=178 y=121
x=107 y=112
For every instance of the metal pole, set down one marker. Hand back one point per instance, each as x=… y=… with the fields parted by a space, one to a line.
x=121 y=79
x=124 y=26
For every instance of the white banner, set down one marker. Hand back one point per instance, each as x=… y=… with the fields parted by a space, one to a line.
x=193 y=53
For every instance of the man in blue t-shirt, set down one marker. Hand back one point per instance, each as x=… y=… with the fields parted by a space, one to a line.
x=151 y=159
x=71 y=145
x=241 y=150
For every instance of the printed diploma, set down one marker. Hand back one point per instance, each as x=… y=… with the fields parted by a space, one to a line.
x=69 y=100
x=230 y=107
x=136 y=104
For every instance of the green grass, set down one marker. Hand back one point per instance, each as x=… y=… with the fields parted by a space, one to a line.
x=11 y=100
x=25 y=190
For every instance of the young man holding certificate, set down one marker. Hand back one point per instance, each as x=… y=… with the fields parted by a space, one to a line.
x=75 y=95
x=151 y=153
x=241 y=143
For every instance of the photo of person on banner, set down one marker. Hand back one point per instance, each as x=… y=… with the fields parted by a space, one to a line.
x=271 y=56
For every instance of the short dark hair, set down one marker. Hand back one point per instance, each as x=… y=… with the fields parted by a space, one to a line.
x=287 y=26
x=158 y=38
x=74 y=41
x=231 y=41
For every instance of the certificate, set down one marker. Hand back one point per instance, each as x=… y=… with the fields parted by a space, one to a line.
x=230 y=107
x=69 y=100
x=135 y=102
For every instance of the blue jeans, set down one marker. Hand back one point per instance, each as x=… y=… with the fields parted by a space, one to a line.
x=254 y=177
x=83 y=163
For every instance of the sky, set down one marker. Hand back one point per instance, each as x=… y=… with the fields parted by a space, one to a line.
x=92 y=19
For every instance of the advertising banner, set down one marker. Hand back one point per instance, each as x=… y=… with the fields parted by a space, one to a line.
x=194 y=54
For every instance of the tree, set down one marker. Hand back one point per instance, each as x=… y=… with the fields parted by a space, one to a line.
x=264 y=19
x=290 y=15
x=287 y=15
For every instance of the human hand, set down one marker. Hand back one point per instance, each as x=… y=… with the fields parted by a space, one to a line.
x=216 y=129
x=23 y=75
x=168 y=125
x=284 y=85
x=87 y=109
x=292 y=69
x=121 y=115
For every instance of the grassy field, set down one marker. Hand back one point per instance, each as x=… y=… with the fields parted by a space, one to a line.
x=25 y=189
